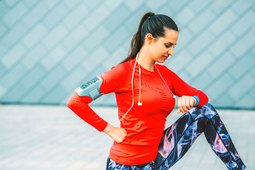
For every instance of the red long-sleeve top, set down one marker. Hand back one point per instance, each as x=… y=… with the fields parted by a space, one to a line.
x=144 y=124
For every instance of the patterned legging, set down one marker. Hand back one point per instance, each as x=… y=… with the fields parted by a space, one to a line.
x=179 y=137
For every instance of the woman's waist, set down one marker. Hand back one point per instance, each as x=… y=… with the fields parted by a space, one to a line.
x=142 y=141
x=132 y=154
x=139 y=146
x=141 y=134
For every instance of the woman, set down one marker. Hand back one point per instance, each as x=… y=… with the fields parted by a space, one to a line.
x=145 y=94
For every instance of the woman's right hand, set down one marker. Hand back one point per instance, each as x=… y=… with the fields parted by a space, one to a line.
x=116 y=133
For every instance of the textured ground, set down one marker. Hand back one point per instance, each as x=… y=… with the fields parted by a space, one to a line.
x=53 y=138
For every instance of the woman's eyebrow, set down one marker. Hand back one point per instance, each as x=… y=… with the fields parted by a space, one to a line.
x=171 y=43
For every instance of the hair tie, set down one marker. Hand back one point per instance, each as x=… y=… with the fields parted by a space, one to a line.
x=151 y=14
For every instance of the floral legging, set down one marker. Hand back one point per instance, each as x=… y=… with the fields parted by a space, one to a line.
x=179 y=137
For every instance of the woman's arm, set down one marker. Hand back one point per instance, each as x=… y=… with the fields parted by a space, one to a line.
x=188 y=95
x=91 y=90
x=79 y=103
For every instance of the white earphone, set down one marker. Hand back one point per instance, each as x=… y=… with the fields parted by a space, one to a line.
x=132 y=89
x=140 y=86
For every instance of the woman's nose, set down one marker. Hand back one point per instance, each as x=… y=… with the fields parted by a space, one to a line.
x=171 y=51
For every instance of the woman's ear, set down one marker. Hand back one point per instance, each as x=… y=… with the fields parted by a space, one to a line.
x=149 y=38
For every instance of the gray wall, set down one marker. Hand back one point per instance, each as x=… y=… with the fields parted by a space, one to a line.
x=48 y=47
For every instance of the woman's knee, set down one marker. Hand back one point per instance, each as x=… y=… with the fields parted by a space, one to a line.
x=210 y=106
x=208 y=110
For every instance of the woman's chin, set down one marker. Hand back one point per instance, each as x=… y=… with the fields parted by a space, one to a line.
x=162 y=60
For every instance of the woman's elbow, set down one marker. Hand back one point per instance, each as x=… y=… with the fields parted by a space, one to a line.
x=71 y=102
x=76 y=100
x=205 y=99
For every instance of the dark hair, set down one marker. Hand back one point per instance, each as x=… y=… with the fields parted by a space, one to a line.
x=150 y=23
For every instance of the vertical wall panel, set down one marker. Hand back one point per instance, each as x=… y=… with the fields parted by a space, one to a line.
x=47 y=48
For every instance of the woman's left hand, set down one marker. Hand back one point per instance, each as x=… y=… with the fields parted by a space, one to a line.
x=185 y=103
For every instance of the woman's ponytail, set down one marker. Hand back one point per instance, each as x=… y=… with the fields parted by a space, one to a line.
x=137 y=40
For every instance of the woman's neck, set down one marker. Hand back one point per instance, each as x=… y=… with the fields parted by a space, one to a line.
x=145 y=61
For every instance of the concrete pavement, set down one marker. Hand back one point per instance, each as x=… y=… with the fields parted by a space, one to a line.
x=54 y=138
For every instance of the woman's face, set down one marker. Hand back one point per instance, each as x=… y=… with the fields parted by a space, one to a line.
x=163 y=47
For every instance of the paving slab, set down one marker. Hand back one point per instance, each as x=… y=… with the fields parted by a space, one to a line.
x=54 y=138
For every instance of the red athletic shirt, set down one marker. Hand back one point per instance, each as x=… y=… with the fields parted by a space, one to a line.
x=144 y=124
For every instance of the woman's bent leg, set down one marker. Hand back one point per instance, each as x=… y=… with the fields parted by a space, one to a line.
x=221 y=143
x=180 y=136
x=177 y=140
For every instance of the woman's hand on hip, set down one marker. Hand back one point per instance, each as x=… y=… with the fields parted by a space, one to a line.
x=116 y=133
x=185 y=103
